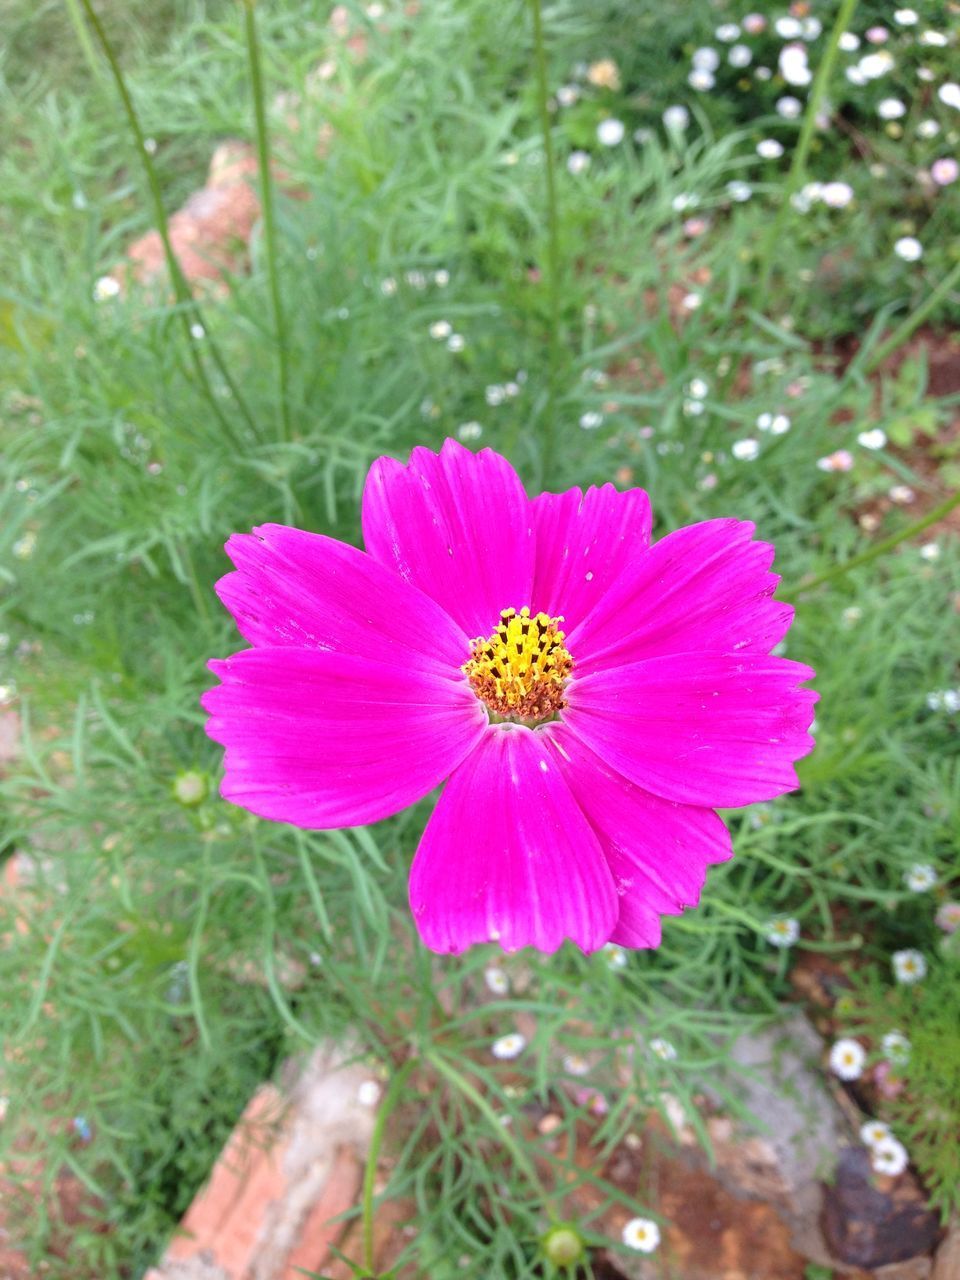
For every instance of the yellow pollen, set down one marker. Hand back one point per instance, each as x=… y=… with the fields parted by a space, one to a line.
x=520 y=670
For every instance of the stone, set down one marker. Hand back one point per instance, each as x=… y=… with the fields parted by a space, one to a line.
x=292 y=1166
x=872 y=1221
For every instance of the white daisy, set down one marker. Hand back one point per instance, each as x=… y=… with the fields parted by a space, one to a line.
x=456 y=342
x=793 y=65
x=496 y=980
x=930 y=551
x=837 y=195
x=909 y=965
x=705 y=59
x=949 y=95
x=935 y=40
x=641 y=1234
x=909 y=249
x=788 y=28
x=575 y=1064
x=891 y=109
x=851 y=615
x=676 y=118
x=690 y=301
x=902 y=494
x=591 y=420
x=509 y=1046
x=578 y=162
x=873 y=1132
x=702 y=81
x=778 y=424
x=663 y=1050
x=874 y=65
x=896 y=1047
x=906 y=17
x=920 y=877
x=740 y=56
x=368 y=1094
x=783 y=932
x=610 y=132
x=106 y=287
x=847 y=1059
x=739 y=191
x=616 y=956
x=849 y=42
x=441 y=277
x=875 y=438
x=889 y=1157
x=567 y=95
x=789 y=107
x=769 y=149
x=745 y=450
x=727 y=33
x=440 y=330
x=698 y=388
x=928 y=128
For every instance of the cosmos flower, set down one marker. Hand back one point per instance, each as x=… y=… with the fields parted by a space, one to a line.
x=909 y=966
x=588 y=697
x=641 y=1234
x=847 y=1058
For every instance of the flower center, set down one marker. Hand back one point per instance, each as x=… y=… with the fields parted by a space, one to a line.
x=520 y=670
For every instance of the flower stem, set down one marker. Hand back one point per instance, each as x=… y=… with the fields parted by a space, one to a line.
x=384 y=1111
x=84 y=41
x=188 y=310
x=913 y=321
x=269 y=220
x=551 y=266
x=937 y=513
x=798 y=166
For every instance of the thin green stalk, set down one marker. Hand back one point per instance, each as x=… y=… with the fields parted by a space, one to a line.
x=189 y=312
x=521 y=1159
x=887 y=544
x=798 y=165
x=269 y=221
x=384 y=1111
x=552 y=264
x=83 y=39
x=912 y=322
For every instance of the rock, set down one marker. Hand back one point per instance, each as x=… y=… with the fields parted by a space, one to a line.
x=872 y=1221
x=292 y=1165
x=947 y=1263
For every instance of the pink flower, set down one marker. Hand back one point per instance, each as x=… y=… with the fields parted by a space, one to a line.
x=588 y=698
x=945 y=171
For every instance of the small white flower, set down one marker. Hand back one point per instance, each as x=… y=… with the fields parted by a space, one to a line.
x=754 y=23
x=684 y=200
x=851 y=615
x=769 y=149
x=197 y=331
x=926 y=74
x=847 y=1058
x=702 y=81
x=891 y=109
x=699 y=388
x=936 y=40
x=789 y=107
x=944 y=171
x=509 y=1046
x=574 y=1064
x=920 y=877
x=788 y=28
x=494 y=395
x=739 y=191
x=783 y=932
x=889 y=1157
x=837 y=195
x=24 y=547
x=873 y=1132
x=909 y=966
x=610 y=132
x=368 y=1094
x=794 y=66
x=388 y=287
x=902 y=494
x=906 y=17
x=441 y=277
x=641 y=1234
x=150 y=146
x=849 y=42
x=855 y=76
x=727 y=33
x=745 y=450
x=496 y=980
x=676 y=118
x=896 y=1047
x=874 y=65
x=590 y=420
x=705 y=59
x=763 y=73
x=812 y=28
x=578 y=162
x=567 y=95
x=909 y=249
x=616 y=957
x=106 y=287
x=415 y=279
x=928 y=128
x=930 y=551
x=663 y=1050
x=876 y=438
x=740 y=56
x=470 y=431
x=456 y=342
x=690 y=301
x=693 y=408
x=778 y=424
x=441 y=330
x=944 y=700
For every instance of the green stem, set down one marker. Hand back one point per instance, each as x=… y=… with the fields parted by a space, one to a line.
x=887 y=544
x=798 y=166
x=384 y=1112
x=553 y=236
x=522 y=1161
x=83 y=39
x=269 y=221
x=188 y=310
x=913 y=321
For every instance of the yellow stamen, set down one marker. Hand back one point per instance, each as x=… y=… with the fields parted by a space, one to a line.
x=520 y=670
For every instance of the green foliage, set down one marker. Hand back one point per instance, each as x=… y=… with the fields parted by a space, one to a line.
x=172 y=950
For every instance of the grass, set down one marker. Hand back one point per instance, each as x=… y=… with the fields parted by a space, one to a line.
x=124 y=471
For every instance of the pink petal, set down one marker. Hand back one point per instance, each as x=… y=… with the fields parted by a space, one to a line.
x=584 y=542
x=700 y=728
x=704 y=587
x=330 y=740
x=457 y=525
x=508 y=856
x=297 y=588
x=657 y=851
